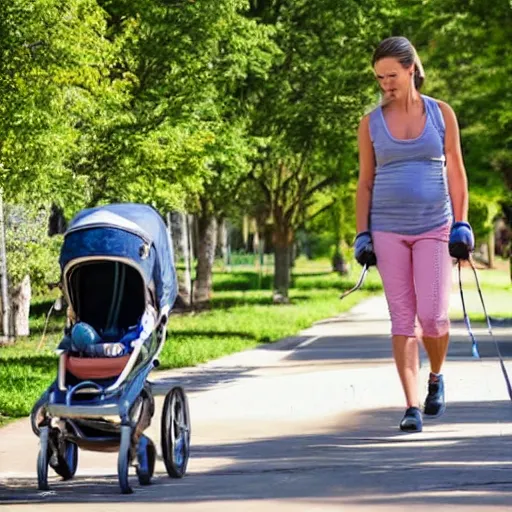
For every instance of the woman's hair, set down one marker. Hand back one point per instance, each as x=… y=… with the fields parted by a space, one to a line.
x=401 y=49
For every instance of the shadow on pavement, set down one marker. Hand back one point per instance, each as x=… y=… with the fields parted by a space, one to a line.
x=375 y=347
x=203 y=380
x=464 y=458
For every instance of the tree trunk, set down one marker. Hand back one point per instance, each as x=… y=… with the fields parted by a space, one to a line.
x=222 y=240
x=491 y=248
x=3 y=275
x=261 y=248
x=207 y=230
x=281 y=274
x=283 y=242
x=193 y=227
x=180 y=238
x=293 y=255
x=338 y=263
x=20 y=308
x=245 y=232
x=57 y=222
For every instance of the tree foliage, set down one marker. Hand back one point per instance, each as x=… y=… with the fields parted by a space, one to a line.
x=307 y=116
x=176 y=103
x=31 y=251
x=52 y=58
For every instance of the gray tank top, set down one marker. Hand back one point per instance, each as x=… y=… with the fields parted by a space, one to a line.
x=410 y=191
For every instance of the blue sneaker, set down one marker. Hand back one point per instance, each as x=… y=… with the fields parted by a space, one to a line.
x=434 y=403
x=412 y=420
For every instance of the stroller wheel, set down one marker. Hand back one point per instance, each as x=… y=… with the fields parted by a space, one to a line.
x=175 y=432
x=42 y=459
x=146 y=456
x=67 y=460
x=124 y=459
x=37 y=415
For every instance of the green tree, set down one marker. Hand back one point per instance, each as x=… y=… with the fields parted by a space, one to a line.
x=330 y=223
x=241 y=58
x=52 y=56
x=51 y=52
x=145 y=141
x=317 y=91
x=32 y=259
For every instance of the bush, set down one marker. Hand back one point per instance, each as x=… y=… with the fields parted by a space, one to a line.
x=29 y=248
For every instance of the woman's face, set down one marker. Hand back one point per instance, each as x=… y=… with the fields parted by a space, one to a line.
x=393 y=78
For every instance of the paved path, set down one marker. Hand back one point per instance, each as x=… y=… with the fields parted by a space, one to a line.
x=309 y=423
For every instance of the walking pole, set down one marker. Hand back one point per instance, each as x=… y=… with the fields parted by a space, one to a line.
x=358 y=284
x=489 y=326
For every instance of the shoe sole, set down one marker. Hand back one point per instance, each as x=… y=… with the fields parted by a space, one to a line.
x=411 y=427
x=436 y=415
x=411 y=430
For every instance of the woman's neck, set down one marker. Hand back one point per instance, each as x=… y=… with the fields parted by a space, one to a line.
x=408 y=101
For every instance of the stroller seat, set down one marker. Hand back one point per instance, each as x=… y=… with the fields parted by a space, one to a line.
x=111 y=310
x=87 y=368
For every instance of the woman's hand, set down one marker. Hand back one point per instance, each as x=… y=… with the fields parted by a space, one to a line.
x=462 y=241
x=363 y=249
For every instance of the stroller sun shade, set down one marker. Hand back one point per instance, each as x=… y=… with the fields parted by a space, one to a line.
x=133 y=233
x=108 y=295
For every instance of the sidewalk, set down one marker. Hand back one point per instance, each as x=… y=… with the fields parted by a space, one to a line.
x=312 y=421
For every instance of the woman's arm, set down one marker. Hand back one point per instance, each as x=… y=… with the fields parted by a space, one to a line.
x=457 y=179
x=366 y=175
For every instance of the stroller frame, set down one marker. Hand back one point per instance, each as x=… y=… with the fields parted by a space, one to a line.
x=111 y=413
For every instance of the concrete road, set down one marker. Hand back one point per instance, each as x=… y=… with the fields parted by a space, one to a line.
x=307 y=424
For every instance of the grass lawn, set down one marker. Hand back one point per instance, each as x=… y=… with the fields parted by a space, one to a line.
x=242 y=316
x=496 y=290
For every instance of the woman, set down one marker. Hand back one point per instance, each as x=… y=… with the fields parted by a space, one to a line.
x=411 y=214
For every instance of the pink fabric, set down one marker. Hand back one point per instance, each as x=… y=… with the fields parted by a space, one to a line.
x=416 y=272
x=96 y=367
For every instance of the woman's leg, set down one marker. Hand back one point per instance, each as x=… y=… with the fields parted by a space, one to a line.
x=433 y=278
x=405 y=353
x=436 y=348
x=394 y=262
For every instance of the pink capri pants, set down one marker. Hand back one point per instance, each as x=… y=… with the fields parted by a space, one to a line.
x=416 y=272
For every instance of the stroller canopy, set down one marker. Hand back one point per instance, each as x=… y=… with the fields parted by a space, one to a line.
x=132 y=233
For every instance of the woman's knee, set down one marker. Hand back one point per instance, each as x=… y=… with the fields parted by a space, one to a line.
x=434 y=326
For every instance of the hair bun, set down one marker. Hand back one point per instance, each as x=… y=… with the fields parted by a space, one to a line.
x=419 y=78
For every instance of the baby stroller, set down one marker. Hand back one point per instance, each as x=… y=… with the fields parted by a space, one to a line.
x=118 y=278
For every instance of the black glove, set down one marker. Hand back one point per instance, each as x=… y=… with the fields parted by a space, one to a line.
x=363 y=249
x=462 y=241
